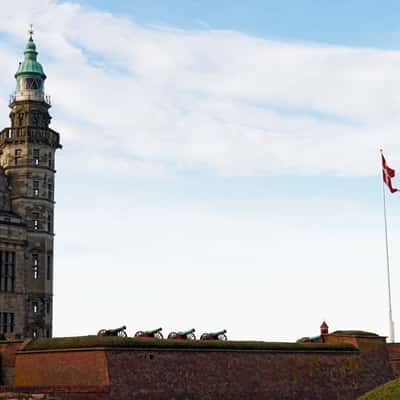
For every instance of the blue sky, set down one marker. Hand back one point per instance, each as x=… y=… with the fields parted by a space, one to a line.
x=354 y=23
x=226 y=154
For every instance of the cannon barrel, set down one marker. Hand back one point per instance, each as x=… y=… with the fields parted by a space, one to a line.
x=219 y=332
x=153 y=331
x=184 y=333
x=112 y=332
x=309 y=339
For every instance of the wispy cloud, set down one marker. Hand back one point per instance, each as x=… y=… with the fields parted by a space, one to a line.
x=230 y=102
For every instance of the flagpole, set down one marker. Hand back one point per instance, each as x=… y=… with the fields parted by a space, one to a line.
x=391 y=323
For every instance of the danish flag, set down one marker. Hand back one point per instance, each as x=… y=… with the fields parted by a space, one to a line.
x=388 y=173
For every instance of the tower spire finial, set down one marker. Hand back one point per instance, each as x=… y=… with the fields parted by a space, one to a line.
x=31 y=31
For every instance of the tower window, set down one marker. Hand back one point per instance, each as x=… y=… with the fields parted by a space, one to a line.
x=35 y=307
x=36 y=188
x=48 y=267
x=50 y=191
x=7 y=322
x=50 y=161
x=35 y=221
x=49 y=220
x=36 y=156
x=17 y=157
x=31 y=83
x=35 y=266
x=7 y=271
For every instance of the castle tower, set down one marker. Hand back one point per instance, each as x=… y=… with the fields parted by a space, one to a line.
x=27 y=169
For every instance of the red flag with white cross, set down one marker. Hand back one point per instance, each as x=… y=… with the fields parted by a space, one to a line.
x=388 y=173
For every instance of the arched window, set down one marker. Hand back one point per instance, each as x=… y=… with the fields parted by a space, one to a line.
x=35 y=266
x=49 y=223
x=7 y=322
x=7 y=271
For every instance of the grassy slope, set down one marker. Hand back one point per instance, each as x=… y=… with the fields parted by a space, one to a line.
x=120 y=342
x=354 y=333
x=388 y=391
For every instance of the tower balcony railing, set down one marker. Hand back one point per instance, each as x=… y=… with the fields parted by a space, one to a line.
x=31 y=134
x=30 y=95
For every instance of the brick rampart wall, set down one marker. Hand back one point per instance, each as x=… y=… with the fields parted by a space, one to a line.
x=8 y=351
x=195 y=374
x=375 y=365
x=76 y=370
x=233 y=375
x=394 y=357
x=151 y=372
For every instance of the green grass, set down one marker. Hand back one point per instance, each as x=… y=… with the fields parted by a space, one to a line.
x=121 y=342
x=354 y=333
x=388 y=391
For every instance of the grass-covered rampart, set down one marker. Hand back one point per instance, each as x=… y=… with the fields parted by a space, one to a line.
x=82 y=342
x=355 y=333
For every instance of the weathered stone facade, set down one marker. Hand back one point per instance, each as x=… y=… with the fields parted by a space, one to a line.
x=27 y=169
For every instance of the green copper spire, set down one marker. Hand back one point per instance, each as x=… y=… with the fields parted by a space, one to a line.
x=30 y=66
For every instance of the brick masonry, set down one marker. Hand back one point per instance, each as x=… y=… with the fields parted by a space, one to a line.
x=232 y=375
x=206 y=374
x=394 y=357
x=8 y=351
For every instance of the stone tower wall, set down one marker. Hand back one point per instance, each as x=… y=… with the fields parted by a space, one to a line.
x=13 y=239
x=27 y=158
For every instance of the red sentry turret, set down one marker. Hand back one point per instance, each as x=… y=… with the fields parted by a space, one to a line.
x=324 y=328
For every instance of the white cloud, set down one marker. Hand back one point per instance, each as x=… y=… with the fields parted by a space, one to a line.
x=233 y=103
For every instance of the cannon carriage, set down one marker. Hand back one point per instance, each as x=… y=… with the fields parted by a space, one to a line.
x=113 y=332
x=155 y=333
x=185 y=335
x=220 y=335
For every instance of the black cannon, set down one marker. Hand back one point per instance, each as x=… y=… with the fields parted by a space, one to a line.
x=311 y=339
x=220 y=335
x=113 y=332
x=183 y=335
x=155 y=333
